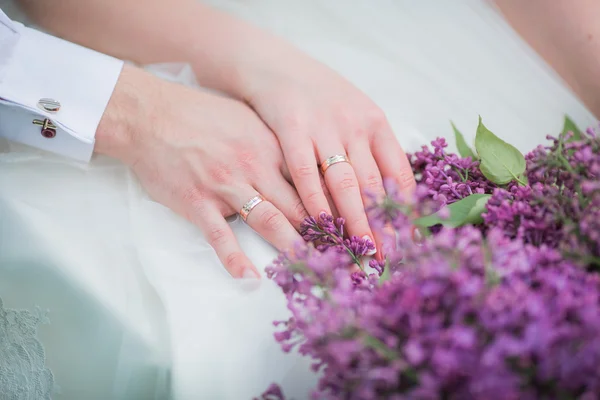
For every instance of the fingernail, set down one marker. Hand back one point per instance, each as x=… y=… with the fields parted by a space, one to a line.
x=370 y=252
x=417 y=236
x=249 y=273
x=379 y=255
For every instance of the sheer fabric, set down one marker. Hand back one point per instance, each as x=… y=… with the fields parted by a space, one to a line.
x=134 y=291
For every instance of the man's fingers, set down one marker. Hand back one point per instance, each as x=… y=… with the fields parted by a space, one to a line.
x=219 y=235
x=264 y=217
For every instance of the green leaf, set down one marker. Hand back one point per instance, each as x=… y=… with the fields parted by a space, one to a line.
x=523 y=180
x=463 y=148
x=387 y=274
x=462 y=212
x=500 y=161
x=569 y=126
x=380 y=347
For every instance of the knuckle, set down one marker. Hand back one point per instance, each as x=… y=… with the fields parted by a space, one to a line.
x=360 y=133
x=304 y=170
x=313 y=197
x=345 y=116
x=234 y=259
x=192 y=203
x=347 y=183
x=406 y=179
x=193 y=196
x=293 y=121
x=374 y=183
x=246 y=160
x=375 y=117
x=272 y=220
x=217 y=236
x=221 y=174
x=299 y=213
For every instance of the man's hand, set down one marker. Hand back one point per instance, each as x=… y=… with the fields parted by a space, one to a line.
x=204 y=156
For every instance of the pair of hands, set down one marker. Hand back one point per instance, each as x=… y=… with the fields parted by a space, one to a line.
x=204 y=155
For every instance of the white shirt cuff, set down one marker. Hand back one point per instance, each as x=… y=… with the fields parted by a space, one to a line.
x=41 y=67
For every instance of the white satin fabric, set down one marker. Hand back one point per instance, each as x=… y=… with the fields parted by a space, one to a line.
x=87 y=243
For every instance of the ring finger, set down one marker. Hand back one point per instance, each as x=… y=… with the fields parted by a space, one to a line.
x=264 y=217
x=345 y=191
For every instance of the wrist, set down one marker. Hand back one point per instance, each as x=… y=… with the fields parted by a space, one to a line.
x=125 y=115
x=229 y=54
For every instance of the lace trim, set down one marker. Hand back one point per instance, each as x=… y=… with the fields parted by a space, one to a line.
x=23 y=373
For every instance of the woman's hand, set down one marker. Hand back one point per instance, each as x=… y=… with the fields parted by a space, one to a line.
x=317 y=114
x=314 y=112
x=203 y=156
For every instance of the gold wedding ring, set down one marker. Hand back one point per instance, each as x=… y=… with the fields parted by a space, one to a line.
x=249 y=206
x=333 y=160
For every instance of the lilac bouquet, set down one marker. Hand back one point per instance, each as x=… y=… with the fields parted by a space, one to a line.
x=499 y=300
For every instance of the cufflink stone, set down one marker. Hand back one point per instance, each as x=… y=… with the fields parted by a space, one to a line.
x=48 y=128
x=49 y=105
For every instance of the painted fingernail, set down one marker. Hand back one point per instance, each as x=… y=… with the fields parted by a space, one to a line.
x=370 y=252
x=249 y=273
x=417 y=236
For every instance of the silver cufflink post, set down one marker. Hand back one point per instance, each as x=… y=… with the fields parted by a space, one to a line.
x=48 y=128
x=49 y=105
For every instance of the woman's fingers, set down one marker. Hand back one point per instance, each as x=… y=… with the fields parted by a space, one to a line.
x=303 y=168
x=345 y=191
x=219 y=235
x=369 y=179
x=367 y=173
x=288 y=177
x=264 y=217
x=283 y=196
x=392 y=161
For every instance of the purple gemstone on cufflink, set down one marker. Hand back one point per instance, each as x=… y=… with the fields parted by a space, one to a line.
x=48 y=133
x=48 y=128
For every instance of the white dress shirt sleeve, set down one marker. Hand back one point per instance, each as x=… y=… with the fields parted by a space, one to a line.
x=35 y=66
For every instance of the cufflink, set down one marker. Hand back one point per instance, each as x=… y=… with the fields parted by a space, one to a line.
x=48 y=128
x=49 y=105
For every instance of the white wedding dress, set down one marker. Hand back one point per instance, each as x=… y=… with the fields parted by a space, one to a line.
x=139 y=304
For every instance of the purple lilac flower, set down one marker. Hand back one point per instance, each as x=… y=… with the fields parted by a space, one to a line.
x=462 y=317
x=326 y=232
x=497 y=311
x=561 y=208
x=448 y=176
x=272 y=393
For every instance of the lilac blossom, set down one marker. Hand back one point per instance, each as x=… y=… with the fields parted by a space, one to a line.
x=448 y=177
x=561 y=208
x=461 y=316
x=502 y=310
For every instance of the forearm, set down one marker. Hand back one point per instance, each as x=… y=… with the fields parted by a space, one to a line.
x=566 y=34
x=215 y=43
